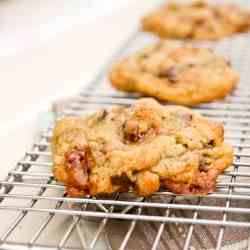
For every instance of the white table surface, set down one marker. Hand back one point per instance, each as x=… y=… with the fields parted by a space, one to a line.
x=43 y=59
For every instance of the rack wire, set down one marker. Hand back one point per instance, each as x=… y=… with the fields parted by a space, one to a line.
x=41 y=215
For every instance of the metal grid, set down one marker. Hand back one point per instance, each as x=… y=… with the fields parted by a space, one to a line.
x=30 y=196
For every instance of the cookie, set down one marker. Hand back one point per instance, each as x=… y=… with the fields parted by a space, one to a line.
x=139 y=148
x=197 y=20
x=182 y=74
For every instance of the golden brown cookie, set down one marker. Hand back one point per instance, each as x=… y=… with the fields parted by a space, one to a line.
x=181 y=74
x=139 y=148
x=197 y=20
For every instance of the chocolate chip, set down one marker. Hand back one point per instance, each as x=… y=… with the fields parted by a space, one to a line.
x=191 y=65
x=170 y=74
x=121 y=180
x=98 y=117
x=104 y=113
x=228 y=63
x=200 y=21
x=211 y=143
x=204 y=164
x=144 y=56
x=101 y=115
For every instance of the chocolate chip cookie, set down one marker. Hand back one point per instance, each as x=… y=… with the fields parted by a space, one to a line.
x=139 y=148
x=197 y=20
x=181 y=74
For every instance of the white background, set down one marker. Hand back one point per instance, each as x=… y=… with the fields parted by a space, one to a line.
x=48 y=50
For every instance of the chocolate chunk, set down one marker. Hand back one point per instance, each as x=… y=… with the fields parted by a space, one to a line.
x=170 y=74
x=121 y=180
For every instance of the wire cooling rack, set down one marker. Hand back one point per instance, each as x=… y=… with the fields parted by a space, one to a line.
x=41 y=216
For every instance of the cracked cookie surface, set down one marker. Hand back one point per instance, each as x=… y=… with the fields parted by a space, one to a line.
x=139 y=148
x=197 y=20
x=171 y=71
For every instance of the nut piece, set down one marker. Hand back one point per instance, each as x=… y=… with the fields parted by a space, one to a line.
x=77 y=167
x=170 y=74
x=134 y=130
